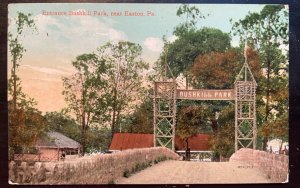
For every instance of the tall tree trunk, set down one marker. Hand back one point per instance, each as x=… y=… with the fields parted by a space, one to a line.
x=214 y=125
x=14 y=84
x=83 y=121
x=118 y=118
x=113 y=123
x=186 y=149
x=267 y=111
x=186 y=81
x=83 y=133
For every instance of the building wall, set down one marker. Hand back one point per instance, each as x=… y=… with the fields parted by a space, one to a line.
x=26 y=157
x=46 y=154
x=49 y=154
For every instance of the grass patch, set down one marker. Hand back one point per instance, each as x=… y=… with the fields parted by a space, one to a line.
x=141 y=166
x=126 y=173
x=160 y=158
x=112 y=182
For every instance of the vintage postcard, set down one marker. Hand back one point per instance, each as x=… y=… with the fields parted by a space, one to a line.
x=137 y=93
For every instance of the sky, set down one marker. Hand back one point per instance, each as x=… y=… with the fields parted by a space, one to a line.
x=60 y=38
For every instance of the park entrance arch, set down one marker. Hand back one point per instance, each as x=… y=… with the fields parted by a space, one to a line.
x=166 y=95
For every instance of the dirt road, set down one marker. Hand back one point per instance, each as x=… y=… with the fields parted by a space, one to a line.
x=192 y=172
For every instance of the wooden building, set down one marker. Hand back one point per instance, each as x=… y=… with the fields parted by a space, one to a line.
x=54 y=147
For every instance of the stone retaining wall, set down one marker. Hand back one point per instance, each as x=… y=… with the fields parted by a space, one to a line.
x=274 y=166
x=100 y=169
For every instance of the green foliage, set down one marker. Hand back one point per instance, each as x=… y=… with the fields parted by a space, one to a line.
x=216 y=70
x=96 y=138
x=190 y=120
x=160 y=158
x=192 y=14
x=125 y=77
x=182 y=53
x=222 y=141
x=25 y=122
x=17 y=50
x=61 y=122
x=85 y=92
x=25 y=127
x=141 y=166
x=141 y=120
x=268 y=31
x=126 y=173
x=106 y=85
x=268 y=26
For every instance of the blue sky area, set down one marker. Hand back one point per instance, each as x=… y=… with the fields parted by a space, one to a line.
x=61 y=38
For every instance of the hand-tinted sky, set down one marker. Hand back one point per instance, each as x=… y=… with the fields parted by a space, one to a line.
x=60 y=38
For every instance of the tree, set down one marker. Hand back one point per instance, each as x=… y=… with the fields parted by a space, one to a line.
x=25 y=127
x=190 y=42
x=182 y=53
x=268 y=31
x=222 y=141
x=189 y=123
x=125 y=77
x=192 y=14
x=216 y=70
x=85 y=92
x=96 y=137
x=141 y=120
x=25 y=122
x=17 y=50
x=63 y=123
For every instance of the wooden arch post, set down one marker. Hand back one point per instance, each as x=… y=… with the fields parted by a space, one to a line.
x=165 y=113
x=245 y=108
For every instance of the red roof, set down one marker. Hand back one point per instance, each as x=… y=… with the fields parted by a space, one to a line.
x=123 y=141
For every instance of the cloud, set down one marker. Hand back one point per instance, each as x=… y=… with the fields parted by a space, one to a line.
x=172 y=38
x=46 y=70
x=115 y=35
x=154 y=44
x=70 y=36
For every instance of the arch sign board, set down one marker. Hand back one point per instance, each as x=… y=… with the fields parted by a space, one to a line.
x=206 y=94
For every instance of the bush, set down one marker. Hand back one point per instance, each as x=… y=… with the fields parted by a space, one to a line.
x=126 y=173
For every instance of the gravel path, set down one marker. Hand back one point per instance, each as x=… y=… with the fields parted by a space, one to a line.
x=189 y=172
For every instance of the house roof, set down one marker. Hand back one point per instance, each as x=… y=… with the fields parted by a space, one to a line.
x=57 y=140
x=123 y=141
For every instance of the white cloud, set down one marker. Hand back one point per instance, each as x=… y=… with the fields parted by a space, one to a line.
x=70 y=35
x=46 y=70
x=115 y=35
x=154 y=44
x=172 y=38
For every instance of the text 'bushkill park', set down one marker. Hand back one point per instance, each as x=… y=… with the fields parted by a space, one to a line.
x=206 y=94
